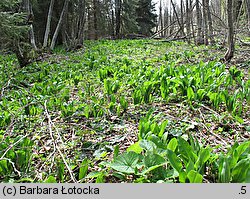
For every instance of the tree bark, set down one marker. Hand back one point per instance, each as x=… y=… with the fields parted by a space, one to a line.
x=182 y=17
x=81 y=22
x=47 y=31
x=118 y=18
x=177 y=18
x=160 y=19
x=188 y=27
x=230 y=40
x=248 y=15
x=95 y=19
x=199 y=39
x=59 y=24
x=28 y=9
x=210 y=23
x=205 y=23
x=166 y=21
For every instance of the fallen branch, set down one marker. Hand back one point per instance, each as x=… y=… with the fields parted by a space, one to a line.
x=9 y=160
x=162 y=30
x=50 y=123
x=13 y=165
x=11 y=146
x=211 y=132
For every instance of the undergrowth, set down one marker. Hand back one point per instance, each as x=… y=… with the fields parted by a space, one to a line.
x=125 y=111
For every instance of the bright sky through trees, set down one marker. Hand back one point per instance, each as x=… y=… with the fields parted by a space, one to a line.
x=164 y=2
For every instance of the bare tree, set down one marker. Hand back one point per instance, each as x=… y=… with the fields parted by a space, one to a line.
x=166 y=21
x=205 y=22
x=210 y=23
x=59 y=24
x=177 y=18
x=118 y=7
x=230 y=52
x=188 y=22
x=47 y=30
x=160 y=24
x=199 y=39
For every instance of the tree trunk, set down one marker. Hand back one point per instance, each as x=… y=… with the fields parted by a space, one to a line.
x=199 y=39
x=177 y=18
x=171 y=19
x=81 y=22
x=188 y=28
x=210 y=23
x=95 y=19
x=47 y=31
x=182 y=17
x=161 y=19
x=113 y=24
x=248 y=15
x=230 y=52
x=205 y=25
x=166 y=21
x=192 y=18
x=118 y=18
x=28 y=9
x=59 y=24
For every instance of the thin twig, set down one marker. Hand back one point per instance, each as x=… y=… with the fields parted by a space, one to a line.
x=50 y=123
x=12 y=145
x=13 y=165
x=66 y=164
x=217 y=136
x=210 y=109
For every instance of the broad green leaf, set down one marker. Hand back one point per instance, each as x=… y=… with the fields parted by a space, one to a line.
x=190 y=166
x=116 y=151
x=200 y=94
x=190 y=93
x=83 y=169
x=4 y=167
x=242 y=148
x=224 y=170
x=194 y=177
x=126 y=162
x=158 y=142
x=163 y=127
x=174 y=161
x=240 y=171
x=182 y=177
x=203 y=157
x=100 y=178
x=172 y=145
x=248 y=176
x=186 y=150
x=135 y=147
x=153 y=160
x=51 y=179
x=61 y=171
x=147 y=170
x=94 y=174
x=147 y=145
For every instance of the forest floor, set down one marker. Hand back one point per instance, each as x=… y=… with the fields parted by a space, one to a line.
x=71 y=116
